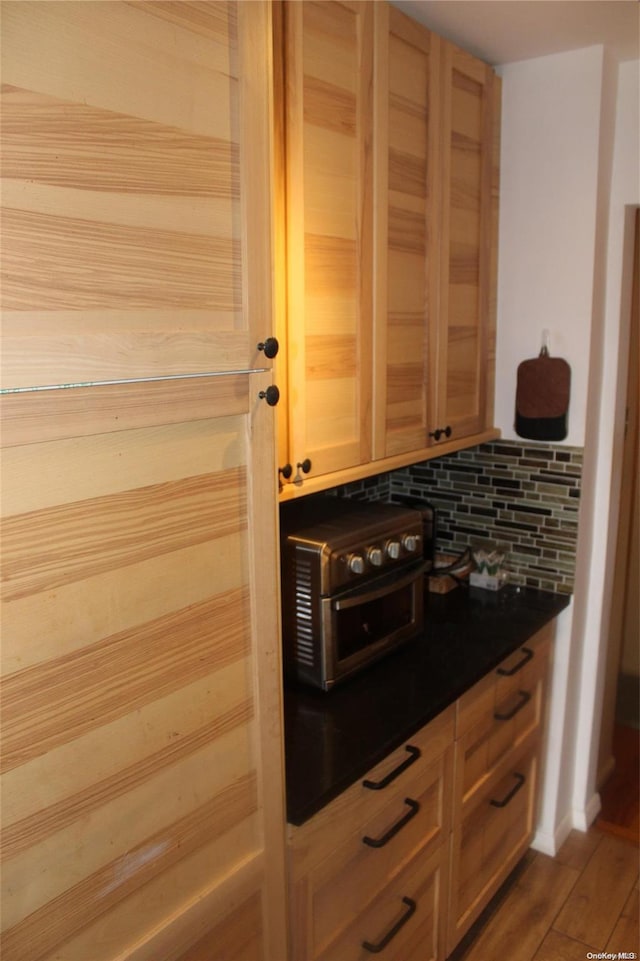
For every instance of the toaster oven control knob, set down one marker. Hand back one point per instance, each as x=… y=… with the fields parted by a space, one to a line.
x=355 y=563
x=410 y=542
x=392 y=549
x=375 y=556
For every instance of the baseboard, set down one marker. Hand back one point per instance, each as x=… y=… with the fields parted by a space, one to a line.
x=550 y=843
x=606 y=771
x=584 y=818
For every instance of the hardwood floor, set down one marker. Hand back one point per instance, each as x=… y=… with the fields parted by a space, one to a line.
x=584 y=900
x=620 y=796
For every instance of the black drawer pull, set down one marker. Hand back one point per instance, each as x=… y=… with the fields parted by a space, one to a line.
x=528 y=654
x=520 y=779
x=392 y=775
x=525 y=697
x=390 y=935
x=414 y=807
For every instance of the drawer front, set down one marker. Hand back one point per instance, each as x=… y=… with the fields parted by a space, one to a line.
x=491 y=839
x=366 y=803
x=511 y=675
x=404 y=922
x=349 y=879
x=505 y=713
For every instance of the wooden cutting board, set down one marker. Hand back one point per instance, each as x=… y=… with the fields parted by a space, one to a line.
x=542 y=398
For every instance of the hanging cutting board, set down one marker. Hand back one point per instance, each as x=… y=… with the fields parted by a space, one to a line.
x=542 y=398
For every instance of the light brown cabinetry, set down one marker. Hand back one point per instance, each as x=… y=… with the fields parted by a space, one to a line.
x=142 y=800
x=498 y=733
x=405 y=227
x=328 y=78
x=388 y=318
x=462 y=329
x=408 y=867
x=372 y=866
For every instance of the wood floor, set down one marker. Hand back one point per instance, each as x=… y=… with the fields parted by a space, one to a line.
x=620 y=796
x=586 y=899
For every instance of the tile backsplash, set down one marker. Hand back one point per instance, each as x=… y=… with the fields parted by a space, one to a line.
x=520 y=494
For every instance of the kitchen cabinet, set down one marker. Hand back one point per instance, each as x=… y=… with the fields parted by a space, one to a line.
x=473 y=771
x=405 y=228
x=371 y=867
x=462 y=331
x=142 y=783
x=388 y=222
x=499 y=725
x=328 y=81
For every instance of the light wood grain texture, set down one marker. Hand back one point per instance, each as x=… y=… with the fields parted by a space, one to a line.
x=407 y=111
x=142 y=781
x=464 y=331
x=36 y=416
x=238 y=938
x=343 y=891
x=520 y=922
x=328 y=74
x=593 y=909
x=532 y=904
x=136 y=219
x=68 y=707
x=495 y=760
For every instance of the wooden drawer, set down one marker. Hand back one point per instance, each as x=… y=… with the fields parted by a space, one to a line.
x=492 y=836
x=498 y=714
x=361 y=844
x=403 y=923
x=311 y=842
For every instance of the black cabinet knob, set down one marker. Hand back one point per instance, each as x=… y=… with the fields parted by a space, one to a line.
x=440 y=431
x=271 y=395
x=305 y=467
x=270 y=346
x=286 y=471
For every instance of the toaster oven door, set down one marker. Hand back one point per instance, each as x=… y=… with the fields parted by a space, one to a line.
x=361 y=625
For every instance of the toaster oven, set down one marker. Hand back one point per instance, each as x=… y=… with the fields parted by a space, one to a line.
x=352 y=585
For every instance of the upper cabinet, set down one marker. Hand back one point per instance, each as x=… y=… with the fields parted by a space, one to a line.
x=463 y=329
x=136 y=204
x=328 y=51
x=405 y=220
x=388 y=201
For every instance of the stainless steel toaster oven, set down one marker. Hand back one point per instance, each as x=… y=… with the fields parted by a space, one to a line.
x=352 y=585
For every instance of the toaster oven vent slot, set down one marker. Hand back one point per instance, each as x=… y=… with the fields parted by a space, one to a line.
x=304 y=612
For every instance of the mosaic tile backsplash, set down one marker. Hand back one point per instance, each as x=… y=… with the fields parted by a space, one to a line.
x=525 y=496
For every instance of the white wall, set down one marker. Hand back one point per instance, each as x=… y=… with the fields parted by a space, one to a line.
x=557 y=261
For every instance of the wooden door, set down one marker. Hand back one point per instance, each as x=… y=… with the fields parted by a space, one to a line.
x=406 y=224
x=329 y=73
x=142 y=784
x=463 y=332
x=136 y=187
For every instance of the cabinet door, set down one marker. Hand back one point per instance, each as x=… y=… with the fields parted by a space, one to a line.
x=136 y=190
x=464 y=330
x=329 y=72
x=406 y=273
x=491 y=839
x=142 y=801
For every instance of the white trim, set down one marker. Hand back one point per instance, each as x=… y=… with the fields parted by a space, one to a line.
x=583 y=818
x=550 y=843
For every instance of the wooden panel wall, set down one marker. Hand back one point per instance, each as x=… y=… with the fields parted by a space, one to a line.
x=406 y=274
x=142 y=782
x=131 y=764
x=329 y=57
x=134 y=188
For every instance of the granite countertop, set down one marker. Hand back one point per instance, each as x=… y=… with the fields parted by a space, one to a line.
x=334 y=738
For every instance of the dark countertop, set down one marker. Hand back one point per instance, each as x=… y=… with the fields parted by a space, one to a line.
x=334 y=738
